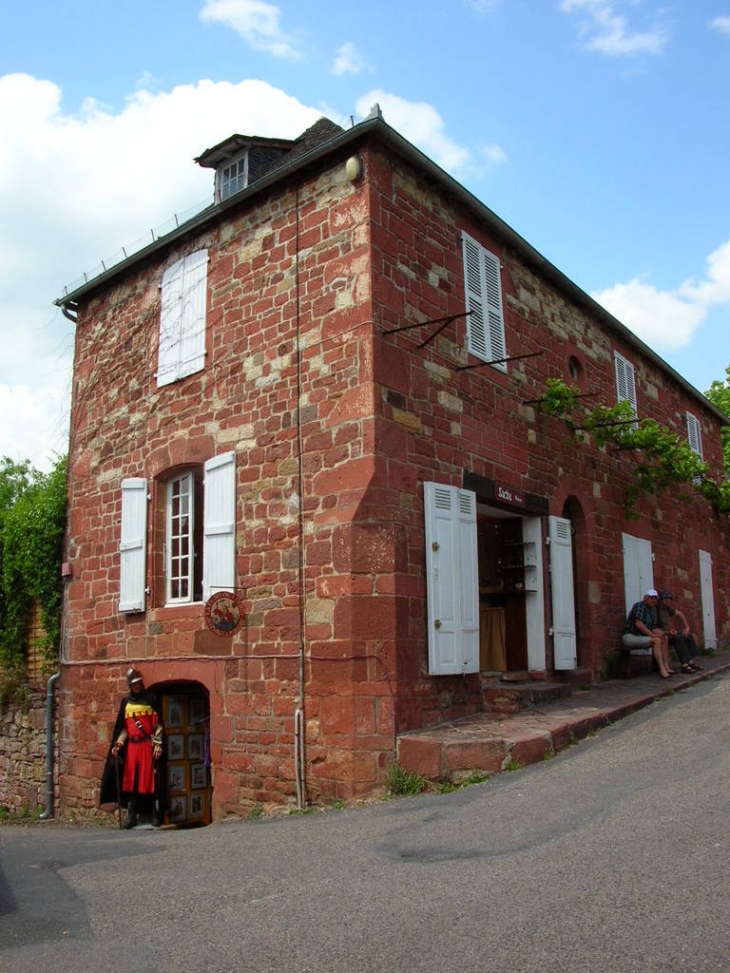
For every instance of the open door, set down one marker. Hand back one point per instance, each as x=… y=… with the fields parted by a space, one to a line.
x=563 y=597
x=186 y=714
x=452 y=582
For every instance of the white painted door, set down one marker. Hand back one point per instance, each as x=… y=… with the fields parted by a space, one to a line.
x=563 y=595
x=708 y=600
x=452 y=579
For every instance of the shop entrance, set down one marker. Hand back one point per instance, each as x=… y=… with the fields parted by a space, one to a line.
x=508 y=575
x=186 y=715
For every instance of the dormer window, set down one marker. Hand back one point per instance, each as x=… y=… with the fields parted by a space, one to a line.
x=232 y=178
x=242 y=159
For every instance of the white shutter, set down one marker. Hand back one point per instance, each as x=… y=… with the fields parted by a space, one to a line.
x=694 y=434
x=192 y=326
x=563 y=597
x=182 y=318
x=452 y=579
x=133 y=545
x=170 y=323
x=625 y=381
x=493 y=287
x=708 y=600
x=483 y=289
x=638 y=568
x=219 y=525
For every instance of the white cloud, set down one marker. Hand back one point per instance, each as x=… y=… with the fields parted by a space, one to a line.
x=721 y=24
x=607 y=31
x=494 y=154
x=255 y=21
x=715 y=288
x=349 y=60
x=660 y=318
x=421 y=124
x=668 y=320
x=74 y=189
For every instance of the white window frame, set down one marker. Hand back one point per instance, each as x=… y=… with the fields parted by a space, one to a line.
x=485 y=337
x=232 y=177
x=694 y=434
x=180 y=550
x=626 y=383
x=183 y=310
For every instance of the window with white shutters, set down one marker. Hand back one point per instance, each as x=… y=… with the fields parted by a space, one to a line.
x=196 y=556
x=200 y=537
x=483 y=287
x=184 y=294
x=625 y=381
x=694 y=434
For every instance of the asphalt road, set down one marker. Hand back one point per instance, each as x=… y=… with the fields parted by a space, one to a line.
x=612 y=857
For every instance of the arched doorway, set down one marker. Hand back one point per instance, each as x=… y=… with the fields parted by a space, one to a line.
x=186 y=715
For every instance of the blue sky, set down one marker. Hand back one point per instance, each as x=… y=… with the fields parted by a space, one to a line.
x=598 y=129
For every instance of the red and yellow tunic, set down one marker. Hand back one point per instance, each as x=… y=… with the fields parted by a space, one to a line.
x=140 y=721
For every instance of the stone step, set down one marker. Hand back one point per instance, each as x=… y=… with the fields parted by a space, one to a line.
x=504 y=698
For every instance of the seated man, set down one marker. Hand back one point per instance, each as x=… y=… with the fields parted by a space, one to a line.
x=642 y=632
x=674 y=624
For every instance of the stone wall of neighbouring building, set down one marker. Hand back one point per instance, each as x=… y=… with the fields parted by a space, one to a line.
x=23 y=753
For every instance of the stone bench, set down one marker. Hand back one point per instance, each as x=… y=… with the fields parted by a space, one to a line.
x=629 y=664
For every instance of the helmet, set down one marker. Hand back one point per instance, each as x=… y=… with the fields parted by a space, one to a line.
x=133 y=675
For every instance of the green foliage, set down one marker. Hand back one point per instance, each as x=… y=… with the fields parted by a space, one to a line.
x=32 y=524
x=719 y=394
x=403 y=783
x=662 y=458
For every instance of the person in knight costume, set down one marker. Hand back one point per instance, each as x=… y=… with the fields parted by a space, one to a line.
x=134 y=775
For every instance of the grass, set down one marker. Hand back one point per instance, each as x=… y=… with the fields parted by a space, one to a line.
x=403 y=783
x=25 y=814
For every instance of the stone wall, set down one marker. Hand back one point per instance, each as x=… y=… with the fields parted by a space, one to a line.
x=23 y=754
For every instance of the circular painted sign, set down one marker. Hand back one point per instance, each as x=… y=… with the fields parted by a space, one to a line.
x=223 y=614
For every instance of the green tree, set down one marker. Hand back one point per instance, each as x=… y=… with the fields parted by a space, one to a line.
x=719 y=394
x=32 y=525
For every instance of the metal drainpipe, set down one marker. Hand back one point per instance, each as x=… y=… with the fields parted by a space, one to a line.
x=299 y=714
x=48 y=813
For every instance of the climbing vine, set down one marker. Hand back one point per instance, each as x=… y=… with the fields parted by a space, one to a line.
x=662 y=459
x=32 y=524
x=719 y=394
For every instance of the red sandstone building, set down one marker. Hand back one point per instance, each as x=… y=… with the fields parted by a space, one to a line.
x=318 y=395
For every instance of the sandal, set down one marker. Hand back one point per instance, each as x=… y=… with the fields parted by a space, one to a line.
x=689 y=669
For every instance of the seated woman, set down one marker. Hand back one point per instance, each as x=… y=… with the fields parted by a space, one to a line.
x=674 y=623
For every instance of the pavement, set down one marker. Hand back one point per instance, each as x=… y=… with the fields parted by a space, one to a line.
x=487 y=743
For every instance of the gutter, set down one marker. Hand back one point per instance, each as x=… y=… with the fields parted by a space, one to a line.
x=50 y=686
